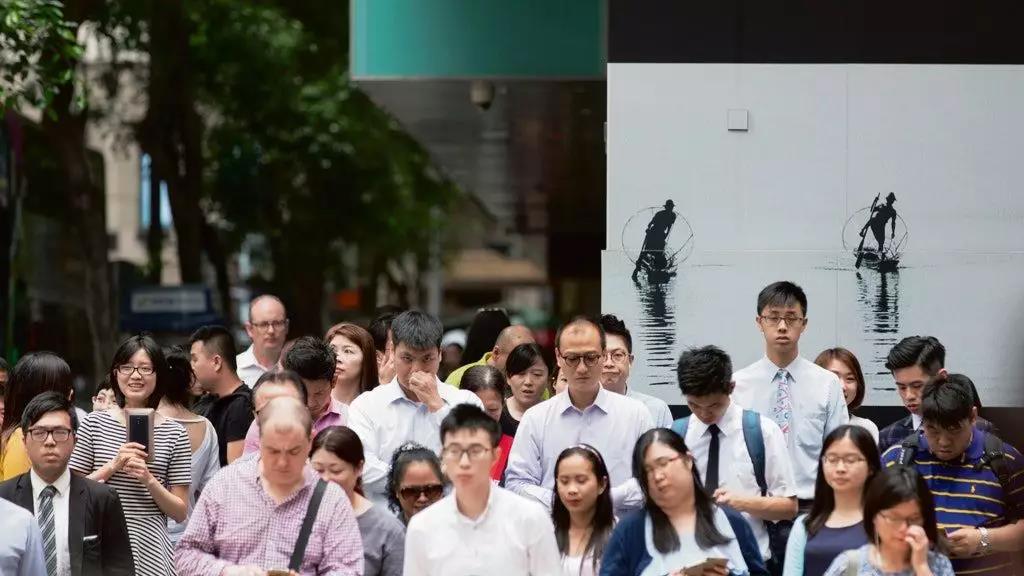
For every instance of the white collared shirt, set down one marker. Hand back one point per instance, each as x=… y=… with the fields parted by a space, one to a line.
x=247 y=368
x=661 y=415
x=735 y=468
x=513 y=537
x=385 y=419
x=61 y=502
x=916 y=421
x=612 y=425
x=818 y=408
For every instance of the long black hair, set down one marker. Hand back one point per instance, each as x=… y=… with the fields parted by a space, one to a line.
x=893 y=486
x=483 y=332
x=604 y=515
x=665 y=537
x=824 y=498
x=35 y=373
x=179 y=376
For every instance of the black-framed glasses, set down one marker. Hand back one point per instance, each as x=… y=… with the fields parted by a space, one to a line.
x=266 y=325
x=774 y=320
x=431 y=491
x=128 y=370
x=59 y=434
x=454 y=453
x=589 y=359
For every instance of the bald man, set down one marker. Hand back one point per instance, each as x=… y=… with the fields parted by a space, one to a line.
x=508 y=339
x=268 y=329
x=247 y=517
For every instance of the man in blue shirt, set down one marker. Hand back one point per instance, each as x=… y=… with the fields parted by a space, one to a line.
x=980 y=509
x=21 y=548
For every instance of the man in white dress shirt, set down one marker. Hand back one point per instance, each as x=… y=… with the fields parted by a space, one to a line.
x=411 y=407
x=584 y=413
x=804 y=399
x=618 y=361
x=716 y=437
x=267 y=327
x=479 y=528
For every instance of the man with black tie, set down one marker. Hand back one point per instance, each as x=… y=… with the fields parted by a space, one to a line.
x=81 y=521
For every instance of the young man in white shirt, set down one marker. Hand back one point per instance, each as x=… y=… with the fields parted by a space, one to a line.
x=722 y=447
x=479 y=528
x=411 y=407
x=804 y=399
x=615 y=369
x=584 y=413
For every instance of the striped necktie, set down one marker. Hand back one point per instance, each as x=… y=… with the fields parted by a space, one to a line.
x=48 y=528
x=782 y=405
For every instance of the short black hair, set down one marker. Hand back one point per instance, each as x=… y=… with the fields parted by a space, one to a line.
x=128 y=348
x=616 y=327
x=4 y=366
x=105 y=384
x=280 y=376
x=470 y=417
x=216 y=340
x=417 y=330
x=311 y=358
x=47 y=402
x=581 y=319
x=523 y=357
x=924 y=351
x=179 y=376
x=381 y=323
x=782 y=293
x=703 y=371
x=948 y=400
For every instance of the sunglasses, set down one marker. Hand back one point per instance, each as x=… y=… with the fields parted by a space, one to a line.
x=431 y=491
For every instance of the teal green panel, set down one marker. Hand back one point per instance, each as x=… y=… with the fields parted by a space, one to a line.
x=478 y=38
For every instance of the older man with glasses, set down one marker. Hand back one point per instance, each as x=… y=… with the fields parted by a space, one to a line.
x=588 y=413
x=268 y=329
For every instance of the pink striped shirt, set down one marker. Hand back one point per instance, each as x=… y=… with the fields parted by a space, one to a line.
x=235 y=522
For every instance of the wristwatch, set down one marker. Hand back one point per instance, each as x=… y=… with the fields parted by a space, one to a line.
x=985 y=542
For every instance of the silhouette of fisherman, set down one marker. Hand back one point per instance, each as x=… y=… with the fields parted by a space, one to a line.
x=652 y=254
x=880 y=216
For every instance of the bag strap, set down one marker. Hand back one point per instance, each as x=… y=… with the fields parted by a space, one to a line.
x=307 y=526
x=680 y=426
x=754 y=439
x=908 y=448
x=995 y=458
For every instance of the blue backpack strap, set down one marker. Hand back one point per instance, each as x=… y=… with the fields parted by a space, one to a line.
x=754 y=439
x=680 y=426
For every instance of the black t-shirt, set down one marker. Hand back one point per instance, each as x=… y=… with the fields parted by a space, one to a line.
x=230 y=415
x=509 y=425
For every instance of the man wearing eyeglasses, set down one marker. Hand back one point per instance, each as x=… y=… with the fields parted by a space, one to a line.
x=81 y=521
x=617 y=363
x=586 y=413
x=479 y=528
x=268 y=329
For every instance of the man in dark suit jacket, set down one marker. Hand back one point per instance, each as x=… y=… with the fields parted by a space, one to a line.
x=90 y=514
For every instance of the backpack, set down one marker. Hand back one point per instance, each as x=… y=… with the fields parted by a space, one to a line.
x=752 y=437
x=994 y=456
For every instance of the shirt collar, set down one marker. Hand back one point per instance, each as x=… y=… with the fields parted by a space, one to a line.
x=915 y=422
x=463 y=519
x=250 y=472
x=63 y=483
x=975 y=450
x=730 y=421
x=247 y=359
x=792 y=367
x=602 y=401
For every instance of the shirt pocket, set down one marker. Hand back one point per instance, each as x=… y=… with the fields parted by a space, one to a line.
x=810 y=432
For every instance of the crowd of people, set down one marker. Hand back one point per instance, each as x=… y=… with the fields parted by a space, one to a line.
x=348 y=455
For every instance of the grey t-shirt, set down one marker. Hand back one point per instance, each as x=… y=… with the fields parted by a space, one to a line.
x=383 y=542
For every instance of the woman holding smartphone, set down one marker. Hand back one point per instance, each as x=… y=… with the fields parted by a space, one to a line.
x=899 y=518
x=152 y=482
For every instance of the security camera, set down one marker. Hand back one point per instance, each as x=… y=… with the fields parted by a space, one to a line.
x=481 y=94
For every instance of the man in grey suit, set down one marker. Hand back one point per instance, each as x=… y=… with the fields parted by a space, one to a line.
x=81 y=522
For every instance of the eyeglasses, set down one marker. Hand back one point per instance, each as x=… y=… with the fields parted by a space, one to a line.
x=454 y=453
x=128 y=370
x=589 y=359
x=59 y=434
x=660 y=464
x=897 y=522
x=617 y=356
x=431 y=491
x=275 y=324
x=774 y=320
x=833 y=460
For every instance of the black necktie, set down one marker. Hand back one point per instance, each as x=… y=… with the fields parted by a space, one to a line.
x=711 y=475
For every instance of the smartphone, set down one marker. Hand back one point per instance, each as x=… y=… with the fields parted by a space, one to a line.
x=278 y=573
x=140 y=428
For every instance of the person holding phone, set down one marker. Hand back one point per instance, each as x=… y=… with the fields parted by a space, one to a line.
x=681 y=530
x=849 y=460
x=582 y=509
x=152 y=482
x=899 y=518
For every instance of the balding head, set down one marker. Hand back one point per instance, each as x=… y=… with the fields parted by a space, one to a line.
x=267 y=328
x=508 y=339
x=283 y=414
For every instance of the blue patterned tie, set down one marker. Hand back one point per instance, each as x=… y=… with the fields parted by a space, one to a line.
x=48 y=528
x=782 y=405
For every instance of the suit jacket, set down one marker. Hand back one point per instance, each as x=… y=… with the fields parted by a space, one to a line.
x=893 y=434
x=94 y=512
